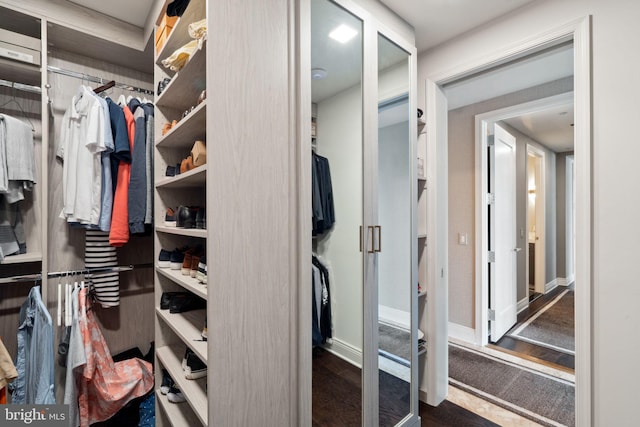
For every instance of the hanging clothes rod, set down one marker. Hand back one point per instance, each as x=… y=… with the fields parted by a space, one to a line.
x=20 y=86
x=84 y=272
x=100 y=80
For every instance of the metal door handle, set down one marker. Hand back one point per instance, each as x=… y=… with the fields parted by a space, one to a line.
x=373 y=248
x=379 y=227
x=517 y=249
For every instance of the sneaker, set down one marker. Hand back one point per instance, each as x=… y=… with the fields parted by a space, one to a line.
x=167 y=382
x=175 y=395
x=204 y=330
x=170 y=218
x=177 y=258
x=189 y=256
x=193 y=367
x=201 y=218
x=171 y=171
x=164 y=259
x=201 y=274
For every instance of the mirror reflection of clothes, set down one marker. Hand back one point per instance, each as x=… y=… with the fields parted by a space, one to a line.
x=321 y=322
x=322 y=195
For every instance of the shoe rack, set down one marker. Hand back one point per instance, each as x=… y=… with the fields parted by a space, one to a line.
x=178 y=105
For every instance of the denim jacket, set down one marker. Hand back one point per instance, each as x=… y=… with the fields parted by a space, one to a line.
x=35 y=383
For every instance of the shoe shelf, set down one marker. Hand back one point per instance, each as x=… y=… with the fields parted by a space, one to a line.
x=187 y=130
x=187 y=282
x=188 y=327
x=194 y=390
x=21 y=258
x=194 y=178
x=184 y=88
x=179 y=36
x=180 y=414
x=422 y=351
x=188 y=232
x=423 y=293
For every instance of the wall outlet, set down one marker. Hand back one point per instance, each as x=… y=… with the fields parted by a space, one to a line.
x=463 y=239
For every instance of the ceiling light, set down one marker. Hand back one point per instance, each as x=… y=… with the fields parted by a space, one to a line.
x=343 y=33
x=318 y=73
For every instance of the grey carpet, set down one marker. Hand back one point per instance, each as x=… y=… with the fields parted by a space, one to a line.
x=554 y=328
x=500 y=382
x=394 y=341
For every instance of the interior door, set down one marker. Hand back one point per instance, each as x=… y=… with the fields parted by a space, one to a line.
x=502 y=233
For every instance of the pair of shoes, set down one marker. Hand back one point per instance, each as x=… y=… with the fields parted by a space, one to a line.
x=167 y=297
x=196 y=158
x=191 y=260
x=168 y=388
x=184 y=303
x=168 y=126
x=193 y=367
x=201 y=274
x=170 y=218
x=204 y=334
x=163 y=84
x=164 y=259
x=187 y=216
x=177 y=258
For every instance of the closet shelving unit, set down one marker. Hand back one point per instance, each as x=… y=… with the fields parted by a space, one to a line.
x=422 y=236
x=175 y=332
x=34 y=207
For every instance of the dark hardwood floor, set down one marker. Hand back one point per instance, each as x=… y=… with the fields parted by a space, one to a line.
x=535 y=352
x=337 y=399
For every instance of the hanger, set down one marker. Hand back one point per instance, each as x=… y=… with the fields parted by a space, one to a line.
x=122 y=101
x=15 y=101
x=105 y=86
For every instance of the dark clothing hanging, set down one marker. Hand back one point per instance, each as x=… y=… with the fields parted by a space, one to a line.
x=322 y=323
x=322 y=192
x=121 y=152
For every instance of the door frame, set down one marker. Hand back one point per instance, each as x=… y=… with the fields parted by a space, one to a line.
x=579 y=31
x=482 y=219
x=541 y=227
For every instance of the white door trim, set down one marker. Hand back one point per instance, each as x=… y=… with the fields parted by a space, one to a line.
x=580 y=32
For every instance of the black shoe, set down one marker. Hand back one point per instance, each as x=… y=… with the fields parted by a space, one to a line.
x=201 y=218
x=188 y=302
x=193 y=367
x=163 y=84
x=167 y=382
x=167 y=297
x=187 y=216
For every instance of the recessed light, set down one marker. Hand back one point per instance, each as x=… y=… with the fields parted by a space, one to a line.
x=343 y=33
x=318 y=73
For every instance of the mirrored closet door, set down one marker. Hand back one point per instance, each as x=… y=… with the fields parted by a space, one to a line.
x=363 y=179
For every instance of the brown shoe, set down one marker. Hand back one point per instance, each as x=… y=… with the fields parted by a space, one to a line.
x=199 y=153
x=186 y=263
x=195 y=260
x=166 y=128
x=187 y=164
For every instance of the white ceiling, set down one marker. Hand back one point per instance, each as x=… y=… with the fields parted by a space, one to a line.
x=436 y=21
x=551 y=127
x=133 y=12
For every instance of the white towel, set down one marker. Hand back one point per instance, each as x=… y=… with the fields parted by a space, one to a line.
x=17 y=157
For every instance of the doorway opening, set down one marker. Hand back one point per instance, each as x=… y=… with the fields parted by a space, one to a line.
x=477 y=330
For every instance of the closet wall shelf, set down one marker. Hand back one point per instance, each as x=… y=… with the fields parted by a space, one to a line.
x=421 y=294
x=187 y=130
x=422 y=351
x=422 y=179
x=179 y=36
x=19 y=259
x=194 y=178
x=193 y=390
x=184 y=88
x=422 y=236
x=189 y=232
x=20 y=73
x=190 y=284
x=180 y=415
x=187 y=326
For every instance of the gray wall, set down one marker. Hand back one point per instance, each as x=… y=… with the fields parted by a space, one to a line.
x=561 y=205
x=462 y=194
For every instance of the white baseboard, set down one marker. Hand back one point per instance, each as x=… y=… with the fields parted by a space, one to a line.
x=522 y=304
x=462 y=333
x=571 y=279
x=548 y=287
x=345 y=351
x=562 y=281
x=422 y=396
x=394 y=317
